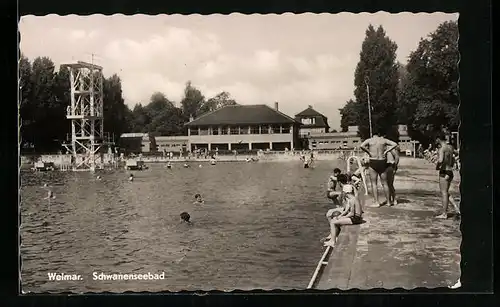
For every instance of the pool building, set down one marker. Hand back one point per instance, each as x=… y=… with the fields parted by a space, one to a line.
x=244 y=127
x=255 y=127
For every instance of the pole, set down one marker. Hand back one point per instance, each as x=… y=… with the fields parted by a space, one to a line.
x=369 y=106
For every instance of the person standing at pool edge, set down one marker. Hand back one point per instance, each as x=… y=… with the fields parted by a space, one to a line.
x=444 y=165
x=377 y=148
x=393 y=162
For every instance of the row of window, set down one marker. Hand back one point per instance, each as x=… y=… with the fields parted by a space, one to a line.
x=171 y=145
x=240 y=130
x=335 y=142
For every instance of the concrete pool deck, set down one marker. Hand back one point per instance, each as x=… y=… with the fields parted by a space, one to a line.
x=402 y=246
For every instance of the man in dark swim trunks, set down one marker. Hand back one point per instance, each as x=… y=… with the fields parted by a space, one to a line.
x=377 y=148
x=444 y=165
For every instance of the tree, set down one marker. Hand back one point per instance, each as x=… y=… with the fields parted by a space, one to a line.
x=430 y=95
x=218 y=101
x=44 y=105
x=165 y=118
x=401 y=116
x=26 y=107
x=192 y=102
x=139 y=119
x=115 y=110
x=348 y=115
x=378 y=68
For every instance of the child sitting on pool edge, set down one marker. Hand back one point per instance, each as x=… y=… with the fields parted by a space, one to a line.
x=351 y=215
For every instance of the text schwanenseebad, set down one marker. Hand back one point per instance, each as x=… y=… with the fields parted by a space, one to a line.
x=145 y=276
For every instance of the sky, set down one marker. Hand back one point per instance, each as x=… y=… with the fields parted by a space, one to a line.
x=296 y=60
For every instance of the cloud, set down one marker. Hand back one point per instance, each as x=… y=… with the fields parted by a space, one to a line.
x=166 y=60
x=293 y=59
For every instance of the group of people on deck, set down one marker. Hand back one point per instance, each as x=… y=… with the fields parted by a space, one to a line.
x=382 y=162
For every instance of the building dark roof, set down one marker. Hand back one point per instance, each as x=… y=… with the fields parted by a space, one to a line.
x=320 y=119
x=243 y=115
x=309 y=112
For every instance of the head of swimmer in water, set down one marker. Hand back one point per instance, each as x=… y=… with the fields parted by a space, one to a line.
x=198 y=198
x=336 y=171
x=185 y=217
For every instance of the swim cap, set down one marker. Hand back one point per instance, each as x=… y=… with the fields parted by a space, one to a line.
x=347 y=188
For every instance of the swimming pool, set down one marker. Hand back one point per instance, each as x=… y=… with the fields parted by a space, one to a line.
x=259 y=228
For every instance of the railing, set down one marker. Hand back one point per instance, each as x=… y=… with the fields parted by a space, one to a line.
x=322 y=262
x=360 y=166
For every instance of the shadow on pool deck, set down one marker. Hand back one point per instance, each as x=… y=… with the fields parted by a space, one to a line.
x=398 y=247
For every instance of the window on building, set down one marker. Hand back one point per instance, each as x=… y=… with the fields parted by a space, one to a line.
x=285 y=129
x=254 y=130
x=203 y=131
x=215 y=130
x=244 y=129
x=306 y=121
x=223 y=130
x=234 y=130
x=193 y=131
x=264 y=129
x=276 y=129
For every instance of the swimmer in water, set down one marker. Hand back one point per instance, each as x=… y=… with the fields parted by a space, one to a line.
x=377 y=148
x=50 y=194
x=185 y=217
x=131 y=177
x=198 y=199
x=169 y=165
x=186 y=165
x=98 y=178
x=200 y=166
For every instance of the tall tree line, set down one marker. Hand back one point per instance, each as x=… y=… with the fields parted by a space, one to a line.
x=44 y=95
x=422 y=94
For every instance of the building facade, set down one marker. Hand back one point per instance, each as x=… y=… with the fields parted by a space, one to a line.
x=168 y=144
x=405 y=142
x=312 y=122
x=244 y=127
x=335 y=140
x=351 y=139
x=136 y=143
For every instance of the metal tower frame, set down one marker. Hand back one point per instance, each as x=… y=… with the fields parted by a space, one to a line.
x=86 y=114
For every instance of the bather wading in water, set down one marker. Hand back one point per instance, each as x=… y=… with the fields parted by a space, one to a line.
x=50 y=194
x=377 y=148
